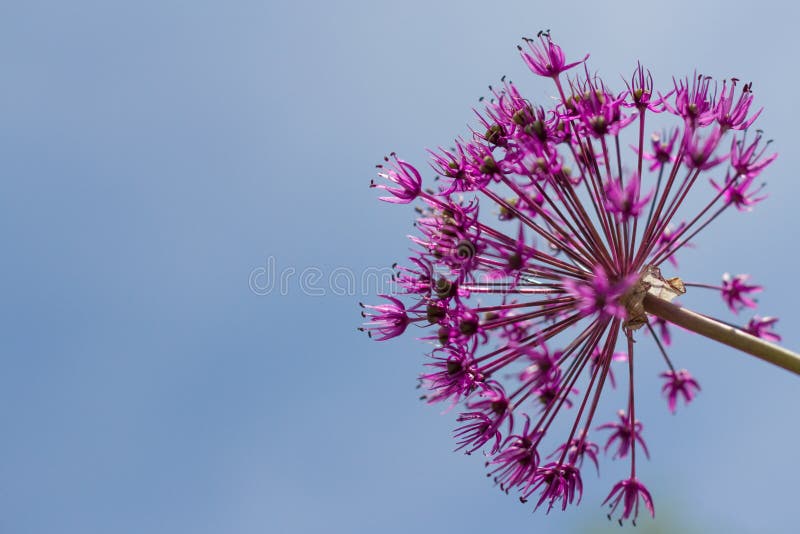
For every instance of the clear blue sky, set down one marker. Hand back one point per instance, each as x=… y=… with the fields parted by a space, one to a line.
x=155 y=154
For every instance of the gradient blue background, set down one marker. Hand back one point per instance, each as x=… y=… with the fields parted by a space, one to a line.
x=155 y=153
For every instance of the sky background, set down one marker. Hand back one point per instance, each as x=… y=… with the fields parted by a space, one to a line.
x=155 y=155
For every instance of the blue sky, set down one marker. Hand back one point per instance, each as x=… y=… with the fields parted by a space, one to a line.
x=155 y=154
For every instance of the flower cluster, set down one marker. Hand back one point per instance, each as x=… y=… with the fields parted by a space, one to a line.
x=538 y=234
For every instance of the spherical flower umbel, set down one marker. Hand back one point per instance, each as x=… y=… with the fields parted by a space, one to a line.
x=536 y=265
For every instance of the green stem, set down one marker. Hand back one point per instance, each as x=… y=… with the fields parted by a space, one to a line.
x=723 y=333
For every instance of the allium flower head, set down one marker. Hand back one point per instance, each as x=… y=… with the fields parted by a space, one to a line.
x=537 y=262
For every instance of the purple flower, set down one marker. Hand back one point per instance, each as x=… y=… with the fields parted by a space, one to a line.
x=482 y=425
x=735 y=291
x=577 y=449
x=387 y=320
x=598 y=110
x=748 y=161
x=405 y=177
x=663 y=148
x=679 y=382
x=698 y=149
x=628 y=492
x=732 y=116
x=624 y=433
x=543 y=367
x=546 y=58
x=624 y=202
x=516 y=258
x=518 y=461
x=693 y=103
x=456 y=374
x=735 y=193
x=557 y=482
x=762 y=327
x=640 y=90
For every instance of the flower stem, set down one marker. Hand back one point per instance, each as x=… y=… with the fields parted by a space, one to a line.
x=723 y=333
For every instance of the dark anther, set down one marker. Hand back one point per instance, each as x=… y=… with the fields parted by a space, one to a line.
x=465 y=249
x=489 y=166
x=520 y=117
x=453 y=367
x=443 y=335
x=468 y=326
x=495 y=134
x=499 y=407
x=539 y=129
x=435 y=313
x=444 y=288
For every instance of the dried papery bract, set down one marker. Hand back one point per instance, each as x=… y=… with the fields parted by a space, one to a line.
x=538 y=258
